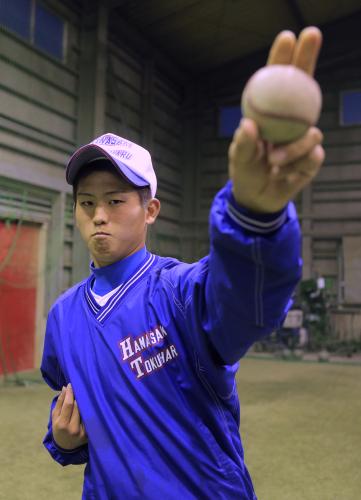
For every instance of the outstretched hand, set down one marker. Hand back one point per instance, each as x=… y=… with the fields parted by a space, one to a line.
x=67 y=426
x=265 y=177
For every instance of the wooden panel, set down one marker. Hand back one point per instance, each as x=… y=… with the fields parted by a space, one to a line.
x=337 y=209
x=29 y=113
x=29 y=86
x=330 y=100
x=8 y=124
x=167 y=141
x=16 y=165
x=342 y=172
x=36 y=63
x=38 y=97
x=167 y=120
x=167 y=138
x=168 y=92
x=342 y=154
x=20 y=196
x=167 y=176
x=351 y=247
x=329 y=119
x=126 y=69
x=335 y=228
x=215 y=147
x=166 y=155
x=337 y=196
x=214 y=164
x=212 y=182
x=124 y=99
x=124 y=114
x=170 y=211
x=346 y=324
x=29 y=147
x=325 y=267
x=166 y=227
x=116 y=126
x=342 y=136
x=129 y=97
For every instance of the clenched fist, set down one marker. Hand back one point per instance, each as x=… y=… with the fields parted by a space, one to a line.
x=68 y=429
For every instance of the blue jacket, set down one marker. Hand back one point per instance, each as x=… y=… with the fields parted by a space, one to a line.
x=153 y=371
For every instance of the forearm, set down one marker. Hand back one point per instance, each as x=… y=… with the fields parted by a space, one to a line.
x=252 y=274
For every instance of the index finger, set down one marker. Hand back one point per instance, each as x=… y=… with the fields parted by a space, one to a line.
x=307 y=49
x=282 y=48
x=59 y=403
x=68 y=404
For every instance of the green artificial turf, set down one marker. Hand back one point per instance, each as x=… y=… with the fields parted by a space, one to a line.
x=301 y=429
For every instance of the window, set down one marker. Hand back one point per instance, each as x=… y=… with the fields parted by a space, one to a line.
x=16 y=15
x=32 y=21
x=229 y=118
x=351 y=107
x=48 y=33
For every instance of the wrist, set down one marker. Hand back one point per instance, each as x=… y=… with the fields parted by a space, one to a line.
x=65 y=448
x=254 y=221
x=257 y=207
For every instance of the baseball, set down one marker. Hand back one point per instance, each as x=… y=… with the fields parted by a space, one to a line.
x=283 y=100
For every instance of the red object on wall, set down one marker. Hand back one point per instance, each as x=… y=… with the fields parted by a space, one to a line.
x=18 y=282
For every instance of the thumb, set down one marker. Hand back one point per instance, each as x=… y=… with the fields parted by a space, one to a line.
x=246 y=144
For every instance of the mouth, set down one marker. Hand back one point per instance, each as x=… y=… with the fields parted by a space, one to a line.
x=100 y=233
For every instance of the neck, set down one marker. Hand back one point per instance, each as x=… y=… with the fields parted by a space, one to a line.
x=112 y=275
x=98 y=262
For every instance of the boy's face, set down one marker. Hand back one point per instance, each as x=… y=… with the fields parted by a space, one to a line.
x=111 y=218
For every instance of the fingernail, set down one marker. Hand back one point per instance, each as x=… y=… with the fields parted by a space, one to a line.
x=69 y=385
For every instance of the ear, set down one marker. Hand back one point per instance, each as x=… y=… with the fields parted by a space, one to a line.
x=152 y=210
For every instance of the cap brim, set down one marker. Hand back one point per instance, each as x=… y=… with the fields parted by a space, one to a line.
x=91 y=152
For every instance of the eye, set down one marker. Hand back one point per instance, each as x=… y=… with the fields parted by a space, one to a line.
x=86 y=203
x=116 y=202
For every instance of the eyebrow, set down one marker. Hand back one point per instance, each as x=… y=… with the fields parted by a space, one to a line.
x=118 y=191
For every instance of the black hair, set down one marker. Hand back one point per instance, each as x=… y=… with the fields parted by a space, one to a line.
x=104 y=165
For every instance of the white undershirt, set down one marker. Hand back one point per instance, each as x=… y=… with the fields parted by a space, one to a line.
x=103 y=299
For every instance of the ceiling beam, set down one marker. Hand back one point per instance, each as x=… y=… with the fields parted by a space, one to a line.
x=113 y=4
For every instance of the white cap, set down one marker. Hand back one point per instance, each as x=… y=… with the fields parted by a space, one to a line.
x=133 y=161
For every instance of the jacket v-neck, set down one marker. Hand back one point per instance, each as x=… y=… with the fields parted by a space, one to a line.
x=101 y=313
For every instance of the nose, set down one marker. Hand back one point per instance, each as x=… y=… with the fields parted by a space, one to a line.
x=100 y=215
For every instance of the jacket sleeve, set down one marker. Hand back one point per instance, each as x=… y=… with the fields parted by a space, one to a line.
x=242 y=290
x=54 y=377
